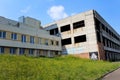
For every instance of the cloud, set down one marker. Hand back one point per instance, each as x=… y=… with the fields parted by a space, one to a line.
x=57 y=12
x=26 y=9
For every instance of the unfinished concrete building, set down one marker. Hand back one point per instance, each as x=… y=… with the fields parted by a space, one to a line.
x=87 y=35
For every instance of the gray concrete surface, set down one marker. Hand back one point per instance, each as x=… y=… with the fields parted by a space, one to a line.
x=115 y=75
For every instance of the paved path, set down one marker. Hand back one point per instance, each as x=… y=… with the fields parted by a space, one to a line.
x=113 y=76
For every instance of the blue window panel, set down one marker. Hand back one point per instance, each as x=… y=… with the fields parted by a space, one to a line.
x=14 y=36
x=4 y=34
x=1 y=49
x=46 y=42
x=31 y=39
x=23 y=39
x=12 y=50
x=0 y=34
x=31 y=51
x=21 y=51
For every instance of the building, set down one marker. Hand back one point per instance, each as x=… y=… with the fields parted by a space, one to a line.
x=26 y=37
x=87 y=35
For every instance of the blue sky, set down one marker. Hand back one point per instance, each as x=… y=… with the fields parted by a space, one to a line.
x=50 y=10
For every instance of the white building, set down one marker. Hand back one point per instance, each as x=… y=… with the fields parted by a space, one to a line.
x=27 y=37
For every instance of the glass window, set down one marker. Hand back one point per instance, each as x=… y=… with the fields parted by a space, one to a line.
x=21 y=51
x=23 y=38
x=12 y=50
x=14 y=36
x=1 y=49
x=31 y=39
x=40 y=41
x=46 y=42
x=31 y=51
x=2 y=34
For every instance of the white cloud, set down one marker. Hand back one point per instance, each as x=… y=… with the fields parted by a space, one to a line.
x=57 y=12
x=26 y=9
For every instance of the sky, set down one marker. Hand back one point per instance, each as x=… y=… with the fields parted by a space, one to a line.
x=50 y=10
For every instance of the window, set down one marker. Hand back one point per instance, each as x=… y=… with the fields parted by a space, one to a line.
x=52 y=42
x=65 y=28
x=31 y=51
x=2 y=34
x=12 y=50
x=98 y=36
x=23 y=39
x=79 y=39
x=14 y=36
x=103 y=40
x=31 y=39
x=107 y=29
x=1 y=49
x=78 y=24
x=46 y=42
x=66 y=41
x=97 y=24
x=40 y=41
x=21 y=51
x=103 y=27
x=54 y=31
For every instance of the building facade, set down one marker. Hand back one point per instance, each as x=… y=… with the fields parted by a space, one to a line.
x=87 y=35
x=26 y=37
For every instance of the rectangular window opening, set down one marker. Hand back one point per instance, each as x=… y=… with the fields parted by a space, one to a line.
x=1 y=50
x=31 y=51
x=66 y=41
x=54 y=31
x=65 y=28
x=98 y=37
x=78 y=24
x=31 y=39
x=79 y=39
x=14 y=36
x=12 y=50
x=23 y=38
x=2 y=34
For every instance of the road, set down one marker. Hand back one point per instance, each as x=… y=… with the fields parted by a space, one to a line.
x=115 y=75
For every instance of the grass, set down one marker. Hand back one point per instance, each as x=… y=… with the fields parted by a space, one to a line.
x=59 y=68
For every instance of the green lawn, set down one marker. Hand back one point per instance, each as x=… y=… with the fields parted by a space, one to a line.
x=60 y=68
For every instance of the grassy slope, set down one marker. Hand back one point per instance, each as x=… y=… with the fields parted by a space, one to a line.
x=60 y=68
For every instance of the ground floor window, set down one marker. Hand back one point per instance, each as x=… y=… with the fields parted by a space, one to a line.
x=1 y=49
x=31 y=51
x=12 y=50
x=21 y=51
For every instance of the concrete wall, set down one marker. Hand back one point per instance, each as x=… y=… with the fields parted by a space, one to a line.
x=89 y=30
x=83 y=49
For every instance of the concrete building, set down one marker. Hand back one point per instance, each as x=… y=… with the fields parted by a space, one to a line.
x=87 y=35
x=26 y=37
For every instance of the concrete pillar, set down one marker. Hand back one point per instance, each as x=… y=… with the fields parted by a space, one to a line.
x=35 y=53
x=17 y=51
x=48 y=54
